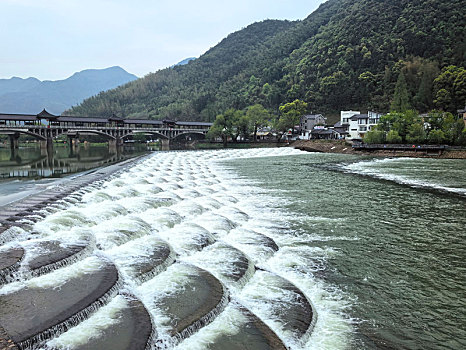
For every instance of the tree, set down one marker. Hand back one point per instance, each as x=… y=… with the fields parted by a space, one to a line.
x=219 y=129
x=393 y=137
x=400 y=101
x=416 y=133
x=374 y=136
x=242 y=126
x=424 y=99
x=224 y=126
x=452 y=128
x=450 y=89
x=436 y=137
x=258 y=117
x=290 y=114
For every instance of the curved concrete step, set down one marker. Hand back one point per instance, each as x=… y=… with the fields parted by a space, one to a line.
x=189 y=297
x=217 y=224
x=144 y=258
x=33 y=312
x=129 y=327
x=252 y=334
x=286 y=304
x=10 y=261
x=256 y=245
x=229 y=264
x=45 y=256
x=188 y=238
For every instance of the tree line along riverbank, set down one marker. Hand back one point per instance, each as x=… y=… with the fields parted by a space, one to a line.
x=343 y=147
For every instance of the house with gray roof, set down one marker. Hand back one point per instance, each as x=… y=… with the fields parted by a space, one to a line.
x=308 y=122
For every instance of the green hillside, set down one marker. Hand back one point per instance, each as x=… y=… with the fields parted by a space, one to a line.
x=347 y=54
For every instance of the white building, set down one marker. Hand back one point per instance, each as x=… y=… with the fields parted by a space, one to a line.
x=359 y=124
x=346 y=115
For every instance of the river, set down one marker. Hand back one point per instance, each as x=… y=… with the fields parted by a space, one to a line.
x=29 y=170
x=372 y=249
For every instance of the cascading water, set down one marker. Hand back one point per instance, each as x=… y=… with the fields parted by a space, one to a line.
x=206 y=254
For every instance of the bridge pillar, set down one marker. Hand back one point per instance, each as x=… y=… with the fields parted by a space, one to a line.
x=113 y=144
x=165 y=144
x=46 y=144
x=14 y=141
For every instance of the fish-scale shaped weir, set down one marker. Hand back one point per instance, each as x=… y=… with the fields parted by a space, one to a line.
x=193 y=303
x=226 y=262
x=129 y=327
x=49 y=305
x=286 y=304
x=252 y=334
x=49 y=255
x=256 y=245
x=249 y=237
x=187 y=238
x=10 y=259
x=144 y=258
x=215 y=223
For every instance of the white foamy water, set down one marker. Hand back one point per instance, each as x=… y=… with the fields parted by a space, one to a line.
x=415 y=172
x=210 y=218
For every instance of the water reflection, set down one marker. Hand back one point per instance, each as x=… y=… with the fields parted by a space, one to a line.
x=34 y=162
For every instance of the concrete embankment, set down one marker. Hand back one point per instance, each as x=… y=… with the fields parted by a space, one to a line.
x=342 y=147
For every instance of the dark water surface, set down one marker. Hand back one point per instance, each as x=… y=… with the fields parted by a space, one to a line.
x=35 y=163
x=28 y=170
x=392 y=241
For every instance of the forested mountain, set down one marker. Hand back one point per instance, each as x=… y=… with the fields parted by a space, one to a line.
x=32 y=95
x=347 y=54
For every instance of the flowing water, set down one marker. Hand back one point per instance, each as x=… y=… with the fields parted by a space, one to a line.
x=263 y=246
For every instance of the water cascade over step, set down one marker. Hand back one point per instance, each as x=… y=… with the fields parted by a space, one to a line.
x=10 y=258
x=123 y=324
x=229 y=264
x=44 y=256
x=252 y=333
x=144 y=258
x=187 y=296
x=34 y=311
x=286 y=304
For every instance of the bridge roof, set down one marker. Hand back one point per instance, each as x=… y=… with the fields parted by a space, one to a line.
x=194 y=123
x=46 y=115
x=82 y=119
x=142 y=121
x=21 y=117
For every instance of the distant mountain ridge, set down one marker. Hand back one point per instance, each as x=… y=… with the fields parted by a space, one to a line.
x=31 y=95
x=185 y=61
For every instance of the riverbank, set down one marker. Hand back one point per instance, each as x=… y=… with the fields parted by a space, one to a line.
x=343 y=147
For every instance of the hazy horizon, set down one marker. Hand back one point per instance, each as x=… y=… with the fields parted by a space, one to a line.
x=53 y=39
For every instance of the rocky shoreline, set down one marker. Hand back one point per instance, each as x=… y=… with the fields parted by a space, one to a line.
x=343 y=147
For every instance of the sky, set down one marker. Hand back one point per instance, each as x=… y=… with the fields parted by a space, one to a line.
x=52 y=39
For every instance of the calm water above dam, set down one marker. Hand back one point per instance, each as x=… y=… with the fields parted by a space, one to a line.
x=259 y=248
x=34 y=163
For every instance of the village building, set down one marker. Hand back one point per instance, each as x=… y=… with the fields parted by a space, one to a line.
x=358 y=124
x=265 y=134
x=308 y=122
x=328 y=134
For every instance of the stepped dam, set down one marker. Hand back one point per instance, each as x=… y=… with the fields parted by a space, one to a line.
x=170 y=250
x=238 y=249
